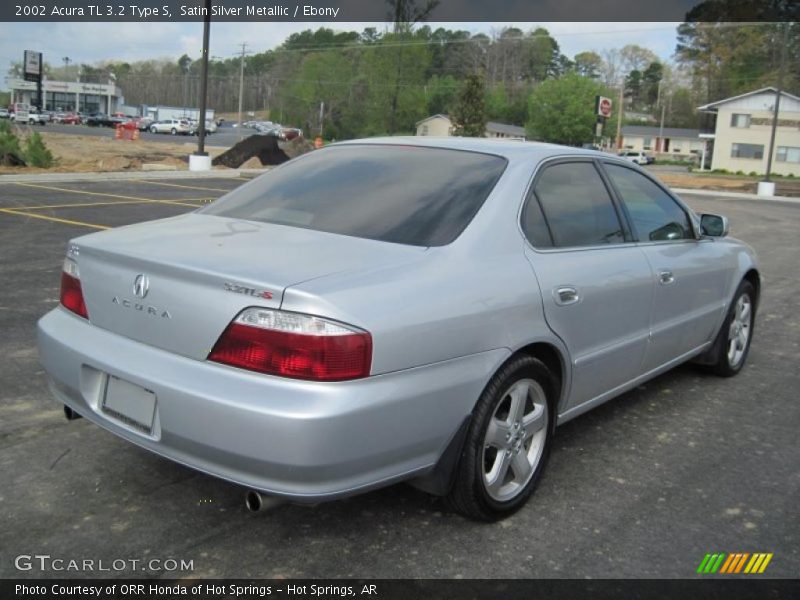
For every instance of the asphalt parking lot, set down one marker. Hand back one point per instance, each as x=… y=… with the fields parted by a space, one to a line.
x=643 y=486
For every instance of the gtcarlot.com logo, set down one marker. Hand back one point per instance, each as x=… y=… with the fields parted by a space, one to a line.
x=45 y=562
x=734 y=563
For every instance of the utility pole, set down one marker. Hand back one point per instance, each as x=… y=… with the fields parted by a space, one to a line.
x=781 y=72
x=241 y=89
x=620 y=113
x=202 y=162
x=660 y=147
x=321 y=116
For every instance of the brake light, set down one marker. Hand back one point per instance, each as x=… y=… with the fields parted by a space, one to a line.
x=71 y=292
x=294 y=345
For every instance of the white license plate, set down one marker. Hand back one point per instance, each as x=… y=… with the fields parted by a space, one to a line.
x=129 y=403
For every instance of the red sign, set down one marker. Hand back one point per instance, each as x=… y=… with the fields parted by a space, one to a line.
x=604 y=107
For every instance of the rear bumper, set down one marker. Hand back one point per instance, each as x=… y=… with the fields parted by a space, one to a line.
x=301 y=440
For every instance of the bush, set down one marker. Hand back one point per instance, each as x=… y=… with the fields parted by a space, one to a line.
x=753 y=174
x=36 y=153
x=9 y=142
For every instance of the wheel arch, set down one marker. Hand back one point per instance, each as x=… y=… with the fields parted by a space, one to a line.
x=555 y=360
x=754 y=277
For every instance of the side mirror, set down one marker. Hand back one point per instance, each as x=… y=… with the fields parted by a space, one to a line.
x=714 y=225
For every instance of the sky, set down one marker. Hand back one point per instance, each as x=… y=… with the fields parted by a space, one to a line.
x=93 y=42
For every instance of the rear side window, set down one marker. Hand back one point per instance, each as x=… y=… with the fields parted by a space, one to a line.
x=576 y=208
x=401 y=194
x=655 y=216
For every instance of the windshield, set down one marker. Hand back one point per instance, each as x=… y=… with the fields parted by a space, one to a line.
x=401 y=194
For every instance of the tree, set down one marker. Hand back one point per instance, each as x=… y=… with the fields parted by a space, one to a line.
x=633 y=87
x=588 y=64
x=651 y=80
x=469 y=115
x=562 y=110
x=36 y=153
x=635 y=57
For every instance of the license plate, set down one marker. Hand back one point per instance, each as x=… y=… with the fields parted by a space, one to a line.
x=129 y=403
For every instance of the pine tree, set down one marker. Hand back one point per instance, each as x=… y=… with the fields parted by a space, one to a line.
x=36 y=153
x=469 y=115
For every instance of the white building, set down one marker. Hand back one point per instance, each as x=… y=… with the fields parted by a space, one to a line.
x=69 y=96
x=742 y=132
x=669 y=142
x=442 y=126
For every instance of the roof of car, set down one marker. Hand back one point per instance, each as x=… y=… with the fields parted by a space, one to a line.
x=510 y=149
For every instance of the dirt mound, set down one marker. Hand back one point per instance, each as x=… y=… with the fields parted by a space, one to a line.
x=267 y=149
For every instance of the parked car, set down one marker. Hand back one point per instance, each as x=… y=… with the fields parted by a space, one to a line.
x=194 y=127
x=4 y=114
x=143 y=123
x=173 y=126
x=37 y=118
x=639 y=158
x=71 y=119
x=98 y=120
x=422 y=310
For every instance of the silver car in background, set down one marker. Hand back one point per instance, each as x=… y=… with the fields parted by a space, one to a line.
x=401 y=309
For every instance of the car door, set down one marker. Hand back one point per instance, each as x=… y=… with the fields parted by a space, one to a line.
x=689 y=273
x=596 y=285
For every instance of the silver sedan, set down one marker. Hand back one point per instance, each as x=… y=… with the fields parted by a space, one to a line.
x=418 y=309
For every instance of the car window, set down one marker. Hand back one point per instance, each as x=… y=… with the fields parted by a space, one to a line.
x=576 y=206
x=401 y=194
x=654 y=214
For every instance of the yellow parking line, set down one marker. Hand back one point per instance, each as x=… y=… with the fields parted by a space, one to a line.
x=202 y=201
x=188 y=187
x=56 y=219
x=57 y=189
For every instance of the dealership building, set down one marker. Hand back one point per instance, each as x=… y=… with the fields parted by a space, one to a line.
x=69 y=96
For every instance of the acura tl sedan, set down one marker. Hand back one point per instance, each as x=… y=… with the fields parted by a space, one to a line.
x=400 y=309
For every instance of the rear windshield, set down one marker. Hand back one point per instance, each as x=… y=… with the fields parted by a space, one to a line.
x=407 y=195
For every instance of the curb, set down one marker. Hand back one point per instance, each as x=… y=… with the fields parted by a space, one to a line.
x=736 y=195
x=121 y=175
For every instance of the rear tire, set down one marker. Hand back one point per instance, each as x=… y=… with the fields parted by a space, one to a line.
x=733 y=340
x=153 y=130
x=507 y=443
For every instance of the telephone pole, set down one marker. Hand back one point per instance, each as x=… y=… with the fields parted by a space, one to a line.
x=781 y=72
x=241 y=89
x=619 y=113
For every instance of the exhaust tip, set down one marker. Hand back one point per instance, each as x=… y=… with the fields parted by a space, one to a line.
x=253 y=501
x=70 y=414
x=257 y=502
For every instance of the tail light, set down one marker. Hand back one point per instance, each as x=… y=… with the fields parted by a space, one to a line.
x=71 y=292
x=294 y=345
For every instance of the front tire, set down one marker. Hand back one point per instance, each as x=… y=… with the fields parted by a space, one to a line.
x=733 y=340
x=507 y=443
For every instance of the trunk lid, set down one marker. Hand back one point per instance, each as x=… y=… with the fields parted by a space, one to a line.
x=203 y=270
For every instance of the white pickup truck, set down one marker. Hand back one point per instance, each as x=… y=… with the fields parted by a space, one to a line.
x=24 y=113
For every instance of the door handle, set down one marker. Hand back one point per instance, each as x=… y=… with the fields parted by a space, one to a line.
x=565 y=295
x=665 y=277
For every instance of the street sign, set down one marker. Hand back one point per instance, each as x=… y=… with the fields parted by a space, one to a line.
x=604 y=107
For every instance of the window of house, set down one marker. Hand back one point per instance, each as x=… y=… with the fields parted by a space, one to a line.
x=747 y=151
x=424 y=130
x=788 y=154
x=740 y=120
x=648 y=143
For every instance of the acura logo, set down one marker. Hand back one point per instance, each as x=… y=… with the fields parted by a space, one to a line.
x=141 y=285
